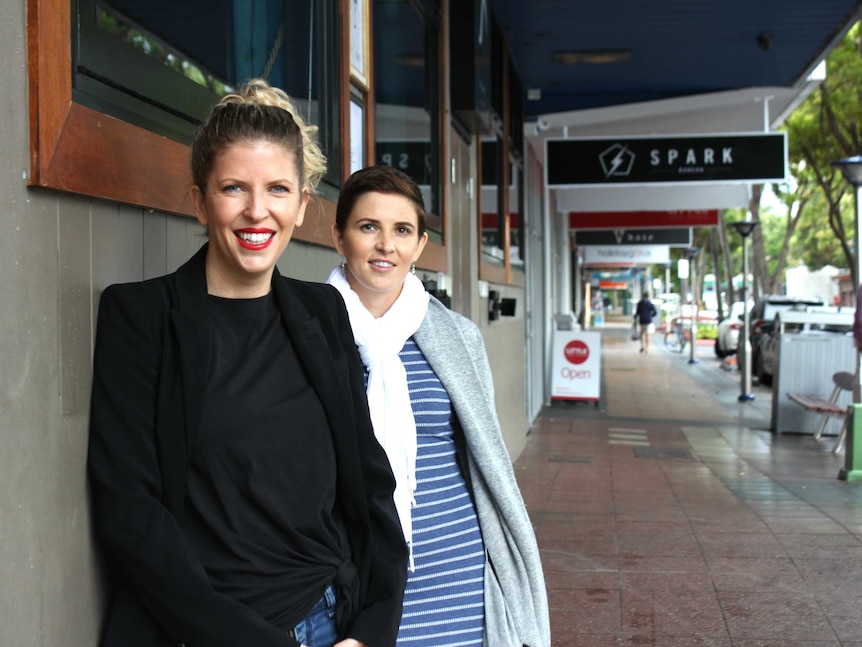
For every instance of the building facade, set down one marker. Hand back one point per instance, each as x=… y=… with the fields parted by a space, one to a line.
x=94 y=191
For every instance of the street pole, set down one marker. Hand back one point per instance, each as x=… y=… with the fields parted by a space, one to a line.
x=745 y=393
x=852 y=470
x=667 y=278
x=693 y=313
x=857 y=245
x=851 y=168
x=744 y=228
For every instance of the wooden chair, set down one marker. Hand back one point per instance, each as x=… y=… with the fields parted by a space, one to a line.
x=843 y=381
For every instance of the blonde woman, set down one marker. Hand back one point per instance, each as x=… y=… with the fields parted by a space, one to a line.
x=239 y=492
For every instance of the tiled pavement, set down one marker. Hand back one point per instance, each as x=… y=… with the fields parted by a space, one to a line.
x=671 y=516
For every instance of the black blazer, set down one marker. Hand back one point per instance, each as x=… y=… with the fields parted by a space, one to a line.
x=151 y=360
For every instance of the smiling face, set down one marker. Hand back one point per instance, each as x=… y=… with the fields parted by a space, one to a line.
x=380 y=241
x=250 y=205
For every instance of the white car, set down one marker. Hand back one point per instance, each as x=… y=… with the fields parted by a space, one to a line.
x=729 y=329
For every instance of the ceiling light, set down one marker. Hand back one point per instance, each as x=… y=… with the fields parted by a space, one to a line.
x=593 y=56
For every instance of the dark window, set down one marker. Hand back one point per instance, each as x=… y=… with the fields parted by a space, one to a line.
x=407 y=96
x=160 y=64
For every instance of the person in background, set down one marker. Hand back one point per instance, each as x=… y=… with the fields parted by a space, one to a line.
x=475 y=576
x=238 y=488
x=645 y=312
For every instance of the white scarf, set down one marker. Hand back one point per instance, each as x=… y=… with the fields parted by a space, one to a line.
x=379 y=341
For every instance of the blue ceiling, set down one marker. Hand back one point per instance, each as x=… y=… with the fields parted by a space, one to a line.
x=675 y=48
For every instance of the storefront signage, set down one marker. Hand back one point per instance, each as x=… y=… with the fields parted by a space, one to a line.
x=737 y=158
x=680 y=237
x=636 y=219
x=626 y=255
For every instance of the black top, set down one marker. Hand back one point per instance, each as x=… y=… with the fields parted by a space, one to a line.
x=261 y=491
x=645 y=311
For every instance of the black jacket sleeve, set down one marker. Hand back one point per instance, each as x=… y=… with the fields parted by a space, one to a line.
x=377 y=621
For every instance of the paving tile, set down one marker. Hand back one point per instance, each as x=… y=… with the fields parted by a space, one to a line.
x=749 y=542
x=750 y=574
x=658 y=544
x=662 y=564
x=672 y=614
x=774 y=615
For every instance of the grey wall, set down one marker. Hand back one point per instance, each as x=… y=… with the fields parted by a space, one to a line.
x=57 y=253
x=505 y=344
x=49 y=586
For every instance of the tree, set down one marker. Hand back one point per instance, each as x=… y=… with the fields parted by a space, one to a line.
x=814 y=242
x=826 y=127
x=771 y=242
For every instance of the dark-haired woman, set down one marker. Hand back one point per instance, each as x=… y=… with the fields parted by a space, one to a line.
x=475 y=576
x=239 y=491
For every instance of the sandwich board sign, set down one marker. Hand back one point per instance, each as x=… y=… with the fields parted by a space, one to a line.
x=576 y=365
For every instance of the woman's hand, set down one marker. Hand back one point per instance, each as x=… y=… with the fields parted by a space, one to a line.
x=350 y=642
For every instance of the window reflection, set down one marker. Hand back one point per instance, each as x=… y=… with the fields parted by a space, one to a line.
x=160 y=64
x=516 y=214
x=492 y=224
x=406 y=90
x=492 y=206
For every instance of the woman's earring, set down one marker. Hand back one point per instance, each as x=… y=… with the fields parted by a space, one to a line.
x=343 y=263
x=413 y=268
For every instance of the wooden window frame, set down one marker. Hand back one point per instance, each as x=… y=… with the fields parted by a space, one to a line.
x=79 y=150
x=489 y=271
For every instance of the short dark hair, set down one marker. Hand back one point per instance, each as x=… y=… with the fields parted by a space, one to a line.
x=378 y=179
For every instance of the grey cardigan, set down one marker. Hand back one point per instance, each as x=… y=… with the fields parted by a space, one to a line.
x=516 y=604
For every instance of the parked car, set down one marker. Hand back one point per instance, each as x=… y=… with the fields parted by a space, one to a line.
x=762 y=319
x=728 y=330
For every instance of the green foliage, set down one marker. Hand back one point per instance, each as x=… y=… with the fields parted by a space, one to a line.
x=707 y=330
x=814 y=243
x=772 y=226
x=827 y=126
x=152 y=46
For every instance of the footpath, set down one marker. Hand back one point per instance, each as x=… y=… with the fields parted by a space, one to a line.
x=669 y=515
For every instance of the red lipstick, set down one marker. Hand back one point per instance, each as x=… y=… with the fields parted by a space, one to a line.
x=254 y=239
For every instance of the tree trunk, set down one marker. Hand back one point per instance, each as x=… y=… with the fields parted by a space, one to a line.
x=713 y=246
x=728 y=265
x=757 y=249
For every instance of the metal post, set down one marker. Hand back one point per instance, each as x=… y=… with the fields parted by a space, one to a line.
x=857 y=243
x=667 y=278
x=692 y=334
x=851 y=168
x=852 y=470
x=745 y=394
x=744 y=228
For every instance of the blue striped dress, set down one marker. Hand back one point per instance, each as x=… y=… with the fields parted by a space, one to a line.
x=444 y=603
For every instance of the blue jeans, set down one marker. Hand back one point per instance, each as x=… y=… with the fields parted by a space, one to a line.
x=318 y=629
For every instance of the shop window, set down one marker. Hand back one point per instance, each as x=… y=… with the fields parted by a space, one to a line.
x=114 y=94
x=160 y=64
x=407 y=109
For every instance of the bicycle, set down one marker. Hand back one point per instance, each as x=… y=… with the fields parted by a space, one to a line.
x=675 y=339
